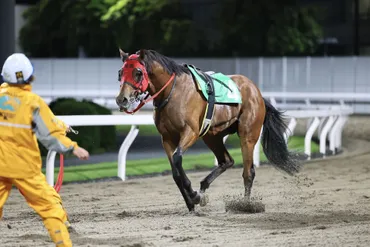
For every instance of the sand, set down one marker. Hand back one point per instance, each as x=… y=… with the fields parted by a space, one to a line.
x=328 y=204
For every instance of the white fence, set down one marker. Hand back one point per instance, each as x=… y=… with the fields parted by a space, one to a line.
x=360 y=102
x=329 y=122
x=284 y=74
x=107 y=98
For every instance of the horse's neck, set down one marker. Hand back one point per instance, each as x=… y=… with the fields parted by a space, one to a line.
x=156 y=86
x=183 y=108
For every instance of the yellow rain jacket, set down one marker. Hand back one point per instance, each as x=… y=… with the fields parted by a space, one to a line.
x=24 y=117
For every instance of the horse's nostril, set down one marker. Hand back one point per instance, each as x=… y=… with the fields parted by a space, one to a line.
x=121 y=100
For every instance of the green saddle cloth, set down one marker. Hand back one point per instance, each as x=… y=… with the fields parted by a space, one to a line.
x=226 y=91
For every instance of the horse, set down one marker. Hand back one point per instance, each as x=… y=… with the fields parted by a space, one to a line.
x=180 y=109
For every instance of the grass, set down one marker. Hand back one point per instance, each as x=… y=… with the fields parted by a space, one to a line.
x=151 y=130
x=160 y=165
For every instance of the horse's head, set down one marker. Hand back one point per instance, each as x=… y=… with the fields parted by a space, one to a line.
x=145 y=73
x=134 y=80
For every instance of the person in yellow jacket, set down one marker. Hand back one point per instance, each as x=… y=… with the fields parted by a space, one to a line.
x=24 y=118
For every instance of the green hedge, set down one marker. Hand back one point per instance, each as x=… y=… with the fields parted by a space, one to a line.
x=107 y=133
x=95 y=139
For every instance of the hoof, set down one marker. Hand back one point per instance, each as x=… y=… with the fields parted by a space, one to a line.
x=196 y=198
x=191 y=206
x=204 y=199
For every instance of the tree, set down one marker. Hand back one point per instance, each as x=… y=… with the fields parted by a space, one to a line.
x=161 y=25
x=268 y=28
x=294 y=32
x=60 y=27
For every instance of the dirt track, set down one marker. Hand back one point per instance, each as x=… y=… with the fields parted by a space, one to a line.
x=328 y=205
x=333 y=211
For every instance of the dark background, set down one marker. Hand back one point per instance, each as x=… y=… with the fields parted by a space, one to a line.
x=193 y=28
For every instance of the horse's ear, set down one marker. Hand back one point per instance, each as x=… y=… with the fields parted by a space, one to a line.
x=123 y=55
x=142 y=54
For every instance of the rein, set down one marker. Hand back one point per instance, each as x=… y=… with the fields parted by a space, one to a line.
x=153 y=97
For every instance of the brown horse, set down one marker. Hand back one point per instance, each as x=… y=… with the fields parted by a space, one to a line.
x=179 y=112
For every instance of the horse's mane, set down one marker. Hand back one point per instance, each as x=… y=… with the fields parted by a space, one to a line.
x=168 y=64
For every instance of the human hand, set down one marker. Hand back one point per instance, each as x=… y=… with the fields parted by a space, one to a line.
x=81 y=153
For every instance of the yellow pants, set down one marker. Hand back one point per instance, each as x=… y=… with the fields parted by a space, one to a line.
x=45 y=201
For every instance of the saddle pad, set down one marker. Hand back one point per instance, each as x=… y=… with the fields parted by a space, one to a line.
x=226 y=91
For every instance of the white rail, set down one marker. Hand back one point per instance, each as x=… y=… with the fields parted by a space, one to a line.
x=107 y=97
x=110 y=94
x=333 y=120
x=319 y=96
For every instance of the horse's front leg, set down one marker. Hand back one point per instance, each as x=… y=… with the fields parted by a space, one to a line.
x=182 y=180
x=175 y=154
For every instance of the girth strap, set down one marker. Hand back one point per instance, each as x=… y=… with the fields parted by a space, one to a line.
x=211 y=100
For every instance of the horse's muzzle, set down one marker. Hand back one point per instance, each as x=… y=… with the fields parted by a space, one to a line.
x=122 y=102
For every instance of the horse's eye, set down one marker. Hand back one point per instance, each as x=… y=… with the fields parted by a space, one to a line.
x=138 y=75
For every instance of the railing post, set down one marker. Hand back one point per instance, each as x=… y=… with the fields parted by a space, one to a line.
x=308 y=137
x=332 y=134
x=343 y=121
x=309 y=122
x=273 y=102
x=290 y=130
x=123 y=151
x=323 y=135
x=50 y=163
x=322 y=122
x=256 y=151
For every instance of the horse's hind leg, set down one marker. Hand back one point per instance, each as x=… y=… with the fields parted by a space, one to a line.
x=248 y=138
x=224 y=159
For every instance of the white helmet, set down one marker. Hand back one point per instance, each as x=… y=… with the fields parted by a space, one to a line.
x=17 y=69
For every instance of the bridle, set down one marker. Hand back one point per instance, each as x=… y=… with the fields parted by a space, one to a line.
x=131 y=64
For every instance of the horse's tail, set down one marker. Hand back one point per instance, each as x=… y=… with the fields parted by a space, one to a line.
x=273 y=141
